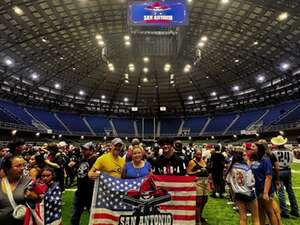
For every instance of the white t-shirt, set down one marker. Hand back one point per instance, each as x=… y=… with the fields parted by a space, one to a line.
x=241 y=179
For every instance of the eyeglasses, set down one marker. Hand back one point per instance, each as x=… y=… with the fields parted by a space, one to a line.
x=46 y=175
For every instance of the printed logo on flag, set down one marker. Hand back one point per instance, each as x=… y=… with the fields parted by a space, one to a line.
x=146 y=202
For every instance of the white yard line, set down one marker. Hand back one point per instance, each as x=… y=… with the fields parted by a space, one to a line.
x=296 y=171
x=71 y=189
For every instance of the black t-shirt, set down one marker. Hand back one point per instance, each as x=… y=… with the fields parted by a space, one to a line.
x=170 y=166
x=217 y=161
x=84 y=183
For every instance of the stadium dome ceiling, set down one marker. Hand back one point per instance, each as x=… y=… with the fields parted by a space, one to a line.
x=83 y=55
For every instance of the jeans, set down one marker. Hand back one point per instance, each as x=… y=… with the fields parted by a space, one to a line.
x=286 y=181
x=81 y=201
x=219 y=183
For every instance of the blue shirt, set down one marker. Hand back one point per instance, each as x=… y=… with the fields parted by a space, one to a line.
x=261 y=169
x=132 y=172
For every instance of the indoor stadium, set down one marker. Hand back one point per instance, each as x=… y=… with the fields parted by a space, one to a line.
x=135 y=112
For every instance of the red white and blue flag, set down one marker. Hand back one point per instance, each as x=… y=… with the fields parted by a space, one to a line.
x=108 y=205
x=48 y=212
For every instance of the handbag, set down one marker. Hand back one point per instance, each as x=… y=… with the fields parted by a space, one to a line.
x=19 y=210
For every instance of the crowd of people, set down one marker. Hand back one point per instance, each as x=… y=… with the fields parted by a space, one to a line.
x=254 y=173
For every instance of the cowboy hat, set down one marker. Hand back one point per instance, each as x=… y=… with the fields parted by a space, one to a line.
x=279 y=140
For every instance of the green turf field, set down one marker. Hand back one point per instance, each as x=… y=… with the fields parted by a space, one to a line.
x=217 y=211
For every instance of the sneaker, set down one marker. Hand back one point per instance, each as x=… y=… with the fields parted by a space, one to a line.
x=296 y=214
x=284 y=215
x=203 y=221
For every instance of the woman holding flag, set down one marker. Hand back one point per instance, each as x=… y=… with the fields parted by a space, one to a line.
x=197 y=167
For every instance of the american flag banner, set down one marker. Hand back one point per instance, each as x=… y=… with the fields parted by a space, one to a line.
x=109 y=192
x=48 y=212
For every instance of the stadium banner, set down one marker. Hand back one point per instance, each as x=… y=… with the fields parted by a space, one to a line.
x=158 y=13
x=153 y=200
x=249 y=132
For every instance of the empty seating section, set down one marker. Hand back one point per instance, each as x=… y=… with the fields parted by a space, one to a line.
x=194 y=124
x=99 y=124
x=74 y=122
x=124 y=126
x=219 y=123
x=169 y=126
x=292 y=117
x=47 y=118
x=8 y=119
x=11 y=113
x=17 y=111
x=246 y=119
x=146 y=127
x=277 y=111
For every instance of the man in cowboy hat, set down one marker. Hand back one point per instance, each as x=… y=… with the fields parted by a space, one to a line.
x=285 y=158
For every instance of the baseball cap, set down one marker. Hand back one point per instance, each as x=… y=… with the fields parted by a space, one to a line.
x=116 y=141
x=88 y=145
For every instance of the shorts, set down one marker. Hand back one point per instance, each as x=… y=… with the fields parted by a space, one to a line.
x=202 y=186
x=244 y=198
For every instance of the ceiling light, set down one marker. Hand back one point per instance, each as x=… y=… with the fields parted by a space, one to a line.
x=187 y=68
x=224 y=1
x=60 y=136
x=34 y=76
x=163 y=108
x=18 y=10
x=8 y=61
x=236 y=88
x=172 y=81
x=61 y=58
x=172 y=76
x=126 y=76
x=14 y=132
x=134 y=109
x=126 y=81
x=81 y=92
x=201 y=44
x=44 y=40
x=82 y=137
x=103 y=97
x=125 y=99
x=255 y=43
x=127 y=43
x=285 y=66
x=283 y=16
x=126 y=38
x=146 y=59
x=111 y=67
x=190 y=98
x=207 y=77
x=57 y=86
x=73 y=68
x=131 y=67
x=37 y=134
x=145 y=79
x=99 y=37
x=139 y=86
x=167 y=67
x=204 y=38
x=101 y=43
x=213 y=93
x=236 y=61
x=261 y=78
x=189 y=1
x=145 y=70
